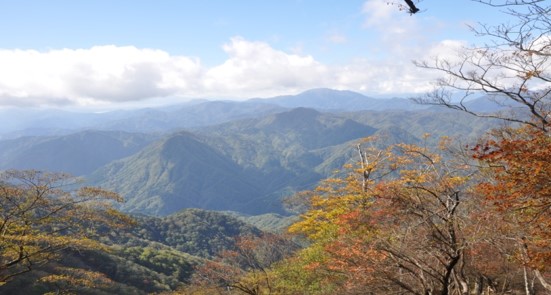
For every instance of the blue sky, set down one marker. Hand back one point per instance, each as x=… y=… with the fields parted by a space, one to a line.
x=120 y=52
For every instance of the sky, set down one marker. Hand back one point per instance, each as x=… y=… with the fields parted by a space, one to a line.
x=113 y=53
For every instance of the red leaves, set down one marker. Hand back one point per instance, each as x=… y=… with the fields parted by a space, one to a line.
x=518 y=185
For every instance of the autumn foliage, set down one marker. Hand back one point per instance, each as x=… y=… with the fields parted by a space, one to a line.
x=42 y=216
x=411 y=219
x=518 y=188
x=417 y=220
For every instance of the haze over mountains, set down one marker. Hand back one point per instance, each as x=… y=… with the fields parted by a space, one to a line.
x=219 y=155
x=17 y=122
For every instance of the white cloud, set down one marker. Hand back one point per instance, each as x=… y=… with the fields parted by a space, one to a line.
x=255 y=67
x=104 y=75
x=101 y=73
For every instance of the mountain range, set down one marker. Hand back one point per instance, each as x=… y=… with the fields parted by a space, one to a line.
x=221 y=155
x=196 y=113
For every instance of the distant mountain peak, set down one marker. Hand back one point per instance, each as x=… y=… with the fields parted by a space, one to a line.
x=329 y=91
x=339 y=100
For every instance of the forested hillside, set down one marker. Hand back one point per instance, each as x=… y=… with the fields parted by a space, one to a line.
x=319 y=193
x=78 y=153
x=152 y=255
x=243 y=167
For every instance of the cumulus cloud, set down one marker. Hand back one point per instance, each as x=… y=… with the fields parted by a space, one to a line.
x=101 y=73
x=255 y=67
x=116 y=74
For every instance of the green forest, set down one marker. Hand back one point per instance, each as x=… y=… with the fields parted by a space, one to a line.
x=299 y=201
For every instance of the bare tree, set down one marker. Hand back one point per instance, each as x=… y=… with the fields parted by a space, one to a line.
x=513 y=68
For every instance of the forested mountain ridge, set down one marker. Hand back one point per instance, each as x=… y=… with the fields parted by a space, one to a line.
x=78 y=153
x=243 y=166
x=247 y=165
x=175 y=173
x=155 y=255
x=340 y=100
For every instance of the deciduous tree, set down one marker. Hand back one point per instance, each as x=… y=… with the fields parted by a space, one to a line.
x=42 y=214
x=396 y=224
x=247 y=268
x=512 y=68
x=518 y=187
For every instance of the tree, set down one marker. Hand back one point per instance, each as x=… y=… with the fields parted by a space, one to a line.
x=518 y=187
x=245 y=269
x=397 y=224
x=408 y=220
x=42 y=215
x=512 y=68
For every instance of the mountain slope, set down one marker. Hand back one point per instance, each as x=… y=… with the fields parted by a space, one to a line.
x=443 y=122
x=78 y=153
x=155 y=255
x=244 y=166
x=175 y=173
x=280 y=148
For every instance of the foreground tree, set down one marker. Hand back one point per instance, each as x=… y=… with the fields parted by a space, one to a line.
x=512 y=68
x=397 y=224
x=410 y=220
x=518 y=188
x=42 y=215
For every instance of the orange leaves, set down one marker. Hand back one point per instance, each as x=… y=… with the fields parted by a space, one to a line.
x=519 y=186
x=246 y=267
x=523 y=161
x=408 y=219
x=396 y=211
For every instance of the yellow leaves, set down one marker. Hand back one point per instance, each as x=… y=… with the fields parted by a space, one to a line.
x=99 y=194
x=41 y=218
x=396 y=172
x=456 y=181
x=322 y=220
x=316 y=224
x=71 y=279
x=444 y=143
